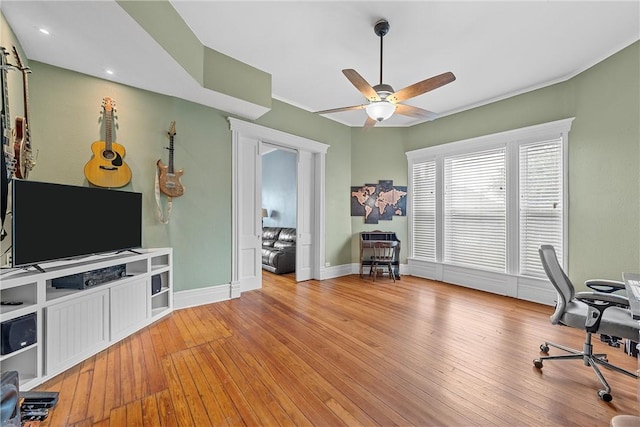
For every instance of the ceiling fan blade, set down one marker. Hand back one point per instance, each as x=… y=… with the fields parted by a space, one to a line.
x=370 y=123
x=411 y=111
x=337 y=110
x=361 y=84
x=422 y=87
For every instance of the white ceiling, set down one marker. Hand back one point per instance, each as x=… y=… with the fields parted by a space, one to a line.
x=495 y=49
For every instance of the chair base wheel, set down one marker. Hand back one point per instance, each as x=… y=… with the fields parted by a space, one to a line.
x=602 y=394
x=544 y=348
x=537 y=363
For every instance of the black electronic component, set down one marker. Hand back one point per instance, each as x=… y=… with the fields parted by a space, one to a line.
x=18 y=333
x=38 y=399
x=91 y=278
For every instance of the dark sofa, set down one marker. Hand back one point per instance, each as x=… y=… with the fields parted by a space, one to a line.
x=279 y=249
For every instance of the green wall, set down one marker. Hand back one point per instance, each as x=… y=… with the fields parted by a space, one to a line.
x=378 y=154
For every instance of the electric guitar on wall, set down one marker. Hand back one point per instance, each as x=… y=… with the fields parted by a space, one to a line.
x=21 y=131
x=169 y=179
x=107 y=167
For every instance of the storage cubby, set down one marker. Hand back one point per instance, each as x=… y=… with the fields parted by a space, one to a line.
x=159 y=303
x=137 y=267
x=26 y=294
x=158 y=262
x=25 y=361
x=85 y=318
x=160 y=292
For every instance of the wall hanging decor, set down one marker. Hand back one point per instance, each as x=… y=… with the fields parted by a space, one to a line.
x=107 y=167
x=381 y=201
x=168 y=179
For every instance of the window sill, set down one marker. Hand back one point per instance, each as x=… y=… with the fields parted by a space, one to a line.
x=521 y=287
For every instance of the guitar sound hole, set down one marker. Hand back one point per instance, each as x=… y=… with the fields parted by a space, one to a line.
x=108 y=155
x=170 y=185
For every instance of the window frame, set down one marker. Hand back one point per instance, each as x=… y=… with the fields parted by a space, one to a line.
x=511 y=141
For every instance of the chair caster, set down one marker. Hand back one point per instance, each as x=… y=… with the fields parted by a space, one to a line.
x=544 y=348
x=602 y=394
x=537 y=363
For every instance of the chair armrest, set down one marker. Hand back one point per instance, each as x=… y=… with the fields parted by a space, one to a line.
x=602 y=299
x=598 y=302
x=604 y=285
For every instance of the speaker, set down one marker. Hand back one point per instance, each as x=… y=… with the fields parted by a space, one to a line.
x=156 y=284
x=9 y=399
x=18 y=333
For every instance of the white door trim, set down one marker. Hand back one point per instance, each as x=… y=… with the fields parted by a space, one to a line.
x=282 y=139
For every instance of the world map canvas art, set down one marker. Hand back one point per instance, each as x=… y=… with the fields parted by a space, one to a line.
x=379 y=201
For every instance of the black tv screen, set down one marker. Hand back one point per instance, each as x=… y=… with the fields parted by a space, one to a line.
x=57 y=221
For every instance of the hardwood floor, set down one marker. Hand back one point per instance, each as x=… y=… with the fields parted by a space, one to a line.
x=344 y=351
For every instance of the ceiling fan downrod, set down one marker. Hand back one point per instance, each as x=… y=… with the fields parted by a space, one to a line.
x=381 y=28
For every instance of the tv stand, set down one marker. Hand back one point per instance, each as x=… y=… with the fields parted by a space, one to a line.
x=133 y=251
x=73 y=324
x=36 y=266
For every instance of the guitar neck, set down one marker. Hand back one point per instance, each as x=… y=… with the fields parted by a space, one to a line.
x=171 y=154
x=5 y=97
x=108 y=124
x=25 y=96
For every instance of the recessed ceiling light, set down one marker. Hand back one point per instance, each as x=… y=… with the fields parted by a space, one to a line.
x=110 y=72
x=44 y=31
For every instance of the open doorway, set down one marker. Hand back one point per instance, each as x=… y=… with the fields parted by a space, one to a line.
x=279 y=208
x=246 y=215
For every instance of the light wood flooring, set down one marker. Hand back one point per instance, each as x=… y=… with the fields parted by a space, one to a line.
x=345 y=351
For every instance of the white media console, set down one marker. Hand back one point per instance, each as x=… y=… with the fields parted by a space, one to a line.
x=74 y=324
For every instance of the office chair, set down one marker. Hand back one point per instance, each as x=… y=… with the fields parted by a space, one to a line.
x=383 y=253
x=595 y=312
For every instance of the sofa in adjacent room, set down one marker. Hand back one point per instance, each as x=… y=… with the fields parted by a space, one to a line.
x=279 y=249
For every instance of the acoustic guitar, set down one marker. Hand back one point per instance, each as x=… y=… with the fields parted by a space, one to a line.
x=107 y=167
x=169 y=179
x=21 y=135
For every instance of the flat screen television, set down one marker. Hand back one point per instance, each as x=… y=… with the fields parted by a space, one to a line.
x=56 y=221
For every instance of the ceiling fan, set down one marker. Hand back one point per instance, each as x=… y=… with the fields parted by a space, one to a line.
x=383 y=100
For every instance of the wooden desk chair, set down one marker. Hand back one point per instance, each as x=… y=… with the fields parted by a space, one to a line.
x=383 y=254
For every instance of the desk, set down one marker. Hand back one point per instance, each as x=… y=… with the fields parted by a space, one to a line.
x=632 y=280
x=368 y=239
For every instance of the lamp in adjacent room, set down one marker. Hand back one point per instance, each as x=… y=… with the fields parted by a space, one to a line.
x=265 y=214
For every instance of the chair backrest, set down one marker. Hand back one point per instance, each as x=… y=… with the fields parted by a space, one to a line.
x=384 y=251
x=558 y=279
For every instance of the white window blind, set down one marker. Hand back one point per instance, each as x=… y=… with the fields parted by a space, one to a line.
x=541 y=210
x=475 y=210
x=424 y=210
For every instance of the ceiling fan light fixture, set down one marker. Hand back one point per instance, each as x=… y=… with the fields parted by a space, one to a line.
x=380 y=110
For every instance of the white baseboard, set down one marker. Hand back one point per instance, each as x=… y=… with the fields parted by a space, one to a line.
x=347 y=269
x=335 y=271
x=355 y=269
x=201 y=296
x=536 y=290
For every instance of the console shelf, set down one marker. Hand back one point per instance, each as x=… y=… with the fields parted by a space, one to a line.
x=73 y=324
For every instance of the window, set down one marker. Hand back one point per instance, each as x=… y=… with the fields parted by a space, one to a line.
x=475 y=211
x=424 y=210
x=541 y=202
x=488 y=203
